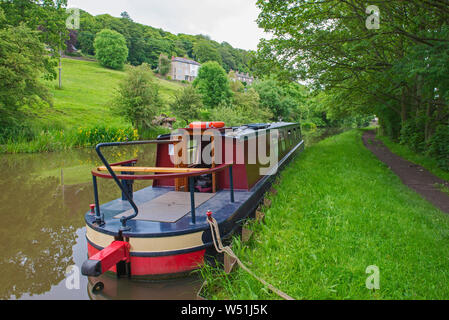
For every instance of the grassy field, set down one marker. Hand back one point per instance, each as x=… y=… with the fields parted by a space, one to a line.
x=337 y=211
x=80 y=107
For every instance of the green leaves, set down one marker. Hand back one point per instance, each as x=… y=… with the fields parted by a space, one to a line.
x=397 y=72
x=213 y=84
x=22 y=61
x=137 y=98
x=111 y=50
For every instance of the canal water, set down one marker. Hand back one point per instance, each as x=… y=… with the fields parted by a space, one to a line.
x=43 y=199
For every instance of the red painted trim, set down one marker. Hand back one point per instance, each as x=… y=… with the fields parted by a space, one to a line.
x=144 y=266
x=166 y=265
x=111 y=255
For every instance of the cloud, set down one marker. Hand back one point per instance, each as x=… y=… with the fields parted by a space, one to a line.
x=232 y=21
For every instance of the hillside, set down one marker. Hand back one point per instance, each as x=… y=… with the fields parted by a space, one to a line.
x=87 y=91
x=80 y=114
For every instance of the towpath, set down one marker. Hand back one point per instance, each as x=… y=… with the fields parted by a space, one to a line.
x=412 y=175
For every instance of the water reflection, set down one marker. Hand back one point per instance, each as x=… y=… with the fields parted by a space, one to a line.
x=43 y=198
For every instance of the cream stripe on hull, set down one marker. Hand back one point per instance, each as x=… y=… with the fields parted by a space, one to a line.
x=150 y=245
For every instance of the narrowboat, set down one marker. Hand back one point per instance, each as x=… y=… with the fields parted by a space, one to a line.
x=162 y=231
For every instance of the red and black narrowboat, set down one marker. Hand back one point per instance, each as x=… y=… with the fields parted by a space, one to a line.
x=162 y=230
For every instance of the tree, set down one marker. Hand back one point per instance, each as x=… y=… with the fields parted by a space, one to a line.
x=203 y=52
x=164 y=65
x=213 y=84
x=23 y=59
x=137 y=98
x=86 y=42
x=187 y=104
x=398 y=71
x=125 y=15
x=110 y=49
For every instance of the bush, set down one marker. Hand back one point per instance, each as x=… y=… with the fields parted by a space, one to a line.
x=439 y=146
x=137 y=98
x=308 y=126
x=213 y=84
x=187 y=103
x=412 y=135
x=110 y=49
x=164 y=65
x=23 y=60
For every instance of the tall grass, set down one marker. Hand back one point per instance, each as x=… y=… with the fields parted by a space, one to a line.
x=45 y=140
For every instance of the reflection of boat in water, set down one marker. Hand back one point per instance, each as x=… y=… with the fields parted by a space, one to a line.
x=125 y=289
x=162 y=231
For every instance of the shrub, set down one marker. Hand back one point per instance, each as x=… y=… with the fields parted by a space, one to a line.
x=439 y=146
x=213 y=84
x=23 y=60
x=187 y=103
x=110 y=49
x=308 y=126
x=412 y=135
x=137 y=98
x=164 y=65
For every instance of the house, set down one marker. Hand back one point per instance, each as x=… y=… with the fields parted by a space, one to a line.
x=243 y=77
x=183 y=69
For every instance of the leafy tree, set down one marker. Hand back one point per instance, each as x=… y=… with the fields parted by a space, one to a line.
x=86 y=42
x=247 y=102
x=228 y=60
x=156 y=47
x=110 y=49
x=48 y=16
x=271 y=97
x=137 y=98
x=203 y=51
x=187 y=104
x=398 y=72
x=164 y=65
x=213 y=84
x=71 y=42
x=23 y=59
x=125 y=15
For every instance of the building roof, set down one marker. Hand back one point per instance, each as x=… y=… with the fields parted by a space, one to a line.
x=184 y=60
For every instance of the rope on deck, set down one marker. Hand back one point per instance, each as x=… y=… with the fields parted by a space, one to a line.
x=220 y=249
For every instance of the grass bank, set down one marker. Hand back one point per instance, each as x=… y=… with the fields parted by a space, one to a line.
x=337 y=211
x=80 y=114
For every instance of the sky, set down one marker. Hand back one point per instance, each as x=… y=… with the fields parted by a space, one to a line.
x=232 y=21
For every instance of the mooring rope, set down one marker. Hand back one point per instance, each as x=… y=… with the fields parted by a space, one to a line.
x=215 y=231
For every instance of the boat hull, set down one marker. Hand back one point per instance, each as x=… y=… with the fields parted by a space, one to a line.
x=174 y=253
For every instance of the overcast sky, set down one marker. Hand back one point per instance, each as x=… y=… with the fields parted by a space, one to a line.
x=232 y=21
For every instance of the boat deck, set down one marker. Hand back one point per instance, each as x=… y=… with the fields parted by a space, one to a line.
x=153 y=202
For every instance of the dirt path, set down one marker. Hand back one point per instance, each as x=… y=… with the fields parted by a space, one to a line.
x=412 y=175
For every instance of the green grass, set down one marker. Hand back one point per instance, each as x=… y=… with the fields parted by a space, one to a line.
x=82 y=103
x=337 y=211
x=422 y=160
x=88 y=89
